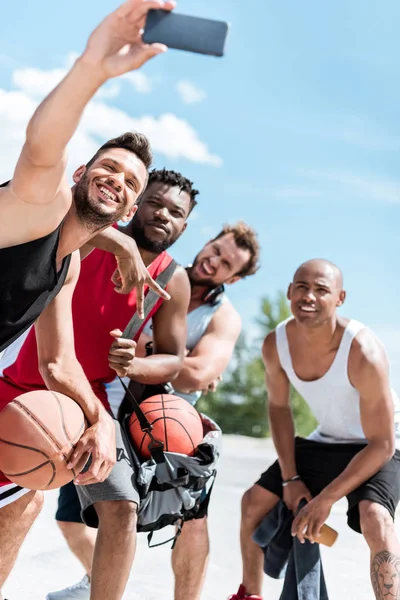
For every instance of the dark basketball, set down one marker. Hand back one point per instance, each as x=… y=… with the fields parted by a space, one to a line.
x=38 y=433
x=175 y=423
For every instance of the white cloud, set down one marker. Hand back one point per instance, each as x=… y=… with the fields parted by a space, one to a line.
x=37 y=83
x=189 y=92
x=108 y=91
x=139 y=80
x=169 y=135
x=366 y=187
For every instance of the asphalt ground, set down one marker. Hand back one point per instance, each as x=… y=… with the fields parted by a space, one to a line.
x=45 y=563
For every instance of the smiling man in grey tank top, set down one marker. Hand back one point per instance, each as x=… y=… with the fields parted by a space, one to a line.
x=341 y=370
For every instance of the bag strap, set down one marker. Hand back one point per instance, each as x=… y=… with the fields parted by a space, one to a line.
x=129 y=333
x=149 y=302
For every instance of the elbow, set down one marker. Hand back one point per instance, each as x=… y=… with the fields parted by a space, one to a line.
x=390 y=448
x=196 y=382
x=50 y=372
x=53 y=373
x=387 y=448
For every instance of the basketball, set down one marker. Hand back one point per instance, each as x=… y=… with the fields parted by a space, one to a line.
x=38 y=433
x=175 y=423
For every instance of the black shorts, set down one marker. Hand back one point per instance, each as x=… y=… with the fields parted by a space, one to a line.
x=69 y=507
x=319 y=464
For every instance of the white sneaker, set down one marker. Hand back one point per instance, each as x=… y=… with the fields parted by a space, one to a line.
x=78 y=591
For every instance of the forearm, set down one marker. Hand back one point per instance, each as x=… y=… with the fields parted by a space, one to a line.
x=113 y=241
x=283 y=435
x=69 y=379
x=57 y=117
x=364 y=465
x=154 y=369
x=196 y=374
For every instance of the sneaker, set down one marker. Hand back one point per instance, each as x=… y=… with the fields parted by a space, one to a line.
x=78 y=591
x=241 y=595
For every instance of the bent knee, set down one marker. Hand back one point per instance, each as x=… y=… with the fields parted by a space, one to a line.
x=36 y=504
x=71 y=528
x=375 y=520
x=195 y=526
x=249 y=504
x=120 y=513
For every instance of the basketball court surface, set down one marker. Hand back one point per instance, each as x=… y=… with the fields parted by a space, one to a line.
x=45 y=564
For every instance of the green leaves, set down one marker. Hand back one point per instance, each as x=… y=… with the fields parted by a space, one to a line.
x=240 y=403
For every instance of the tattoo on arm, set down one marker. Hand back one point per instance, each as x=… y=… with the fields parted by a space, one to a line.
x=385 y=576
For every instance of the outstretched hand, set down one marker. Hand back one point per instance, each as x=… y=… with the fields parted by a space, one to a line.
x=132 y=273
x=116 y=45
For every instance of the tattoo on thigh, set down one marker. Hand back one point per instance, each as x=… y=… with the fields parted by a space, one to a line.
x=385 y=575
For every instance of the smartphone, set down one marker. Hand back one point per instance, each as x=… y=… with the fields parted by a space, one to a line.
x=184 y=32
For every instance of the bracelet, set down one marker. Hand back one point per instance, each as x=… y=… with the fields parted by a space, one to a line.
x=287 y=481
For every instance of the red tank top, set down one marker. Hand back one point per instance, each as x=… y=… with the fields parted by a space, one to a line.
x=96 y=310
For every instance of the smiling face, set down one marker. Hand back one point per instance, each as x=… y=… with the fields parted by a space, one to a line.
x=107 y=191
x=219 y=262
x=316 y=292
x=161 y=217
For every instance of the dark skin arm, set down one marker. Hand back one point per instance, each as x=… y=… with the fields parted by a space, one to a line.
x=281 y=422
x=369 y=374
x=210 y=357
x=169 y=338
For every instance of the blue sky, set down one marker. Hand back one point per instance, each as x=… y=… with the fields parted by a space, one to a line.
x=295 y=130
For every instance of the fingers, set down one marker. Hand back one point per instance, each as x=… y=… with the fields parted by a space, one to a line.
x=314 y=530
x=154 y=5
x=116 y=333
x=140 y=301
x=158 y=289
x=116 y=278
x=299 y=526
x=83 y=447
x=98 y=471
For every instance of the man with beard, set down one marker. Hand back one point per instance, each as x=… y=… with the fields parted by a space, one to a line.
x=341 y=370
x=98 y=316
x=42 y=228
x=213 y=327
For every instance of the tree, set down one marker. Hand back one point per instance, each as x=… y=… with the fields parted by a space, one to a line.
x=240 y=404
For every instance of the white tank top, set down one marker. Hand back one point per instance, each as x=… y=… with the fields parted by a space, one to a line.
x=332 y=398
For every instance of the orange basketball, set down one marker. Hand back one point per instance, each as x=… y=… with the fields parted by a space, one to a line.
x=38 y=433
x=175 y=423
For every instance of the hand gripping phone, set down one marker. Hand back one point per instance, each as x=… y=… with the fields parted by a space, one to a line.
x=184 y=32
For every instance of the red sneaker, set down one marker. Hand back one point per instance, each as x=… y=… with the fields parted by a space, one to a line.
x=241 y=595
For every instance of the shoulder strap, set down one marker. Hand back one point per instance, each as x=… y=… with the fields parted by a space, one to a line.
x=149 y=302
x=131 y=330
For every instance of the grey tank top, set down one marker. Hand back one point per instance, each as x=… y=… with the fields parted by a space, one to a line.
x=197 y=321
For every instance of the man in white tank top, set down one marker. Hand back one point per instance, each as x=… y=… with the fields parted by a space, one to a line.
x=342 y=371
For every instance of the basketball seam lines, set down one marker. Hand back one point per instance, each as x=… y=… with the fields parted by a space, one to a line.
x=39 y=423
x=49 y=461
x=41 y=426
x=62 y=416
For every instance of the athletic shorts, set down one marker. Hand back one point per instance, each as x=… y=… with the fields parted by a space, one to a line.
x=318 y=464
x=120 y=484
x=69 y=507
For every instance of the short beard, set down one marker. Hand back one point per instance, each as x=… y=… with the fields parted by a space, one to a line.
x=136 y=230
x=87 y=213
